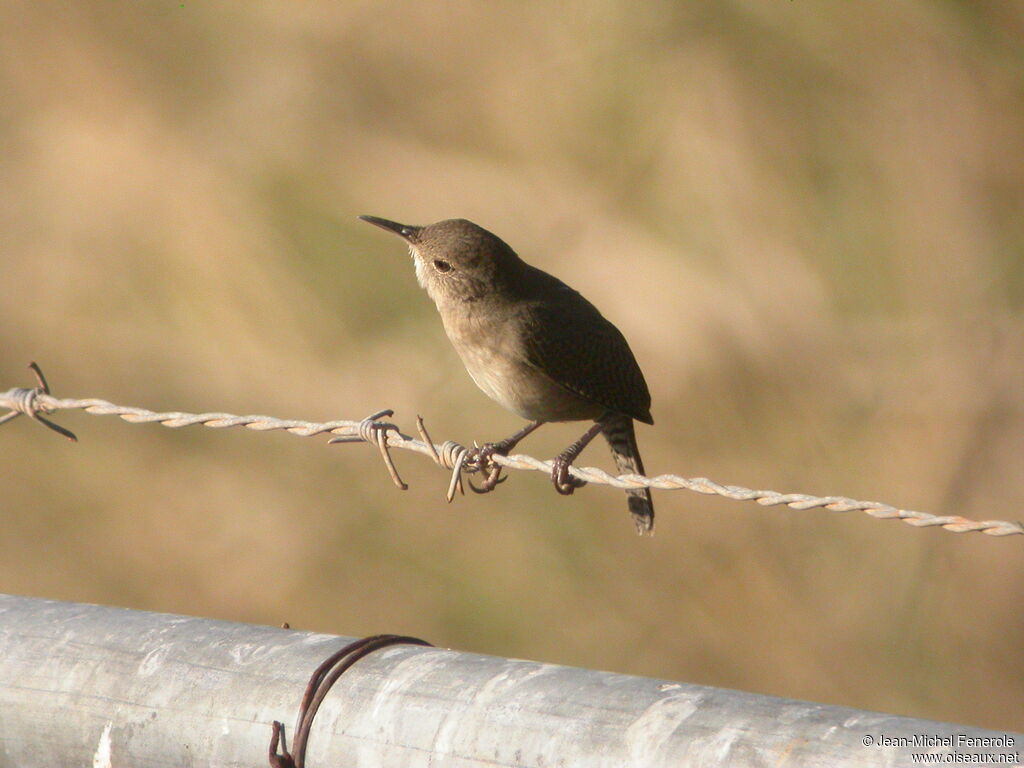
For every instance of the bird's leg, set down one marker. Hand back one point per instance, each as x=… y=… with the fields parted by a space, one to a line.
x=565 y=483
x=480 y=457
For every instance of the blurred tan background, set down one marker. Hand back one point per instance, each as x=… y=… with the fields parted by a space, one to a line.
x=807 y=218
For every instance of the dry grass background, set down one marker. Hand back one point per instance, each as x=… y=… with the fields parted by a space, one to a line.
x=808 y=218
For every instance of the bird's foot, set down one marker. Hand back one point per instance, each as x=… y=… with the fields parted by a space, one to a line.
x=565 y=483
x=480 y=459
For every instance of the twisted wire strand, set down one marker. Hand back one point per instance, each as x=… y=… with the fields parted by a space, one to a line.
x=179 y=419
x=453 y=456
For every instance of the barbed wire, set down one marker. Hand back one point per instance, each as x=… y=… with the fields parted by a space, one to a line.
x=35 y=401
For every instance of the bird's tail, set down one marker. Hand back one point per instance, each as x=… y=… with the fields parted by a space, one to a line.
x=618 y=431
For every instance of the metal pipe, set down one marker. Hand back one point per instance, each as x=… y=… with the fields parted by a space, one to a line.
x=91 y=685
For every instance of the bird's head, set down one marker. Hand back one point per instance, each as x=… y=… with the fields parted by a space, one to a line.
x=455 y=259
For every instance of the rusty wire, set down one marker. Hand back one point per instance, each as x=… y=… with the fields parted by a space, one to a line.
x=457 y=458
x=323 y=678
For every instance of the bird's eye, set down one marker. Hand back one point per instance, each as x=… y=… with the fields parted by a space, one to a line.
x=442 y=266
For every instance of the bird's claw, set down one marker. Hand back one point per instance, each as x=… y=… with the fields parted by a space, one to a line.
x=492 y=481
x=479 y=459
x=564 y=483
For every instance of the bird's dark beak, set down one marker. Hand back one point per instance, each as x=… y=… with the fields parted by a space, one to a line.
x=406 y=231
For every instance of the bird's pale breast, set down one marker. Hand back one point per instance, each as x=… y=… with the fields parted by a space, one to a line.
x=493 y=354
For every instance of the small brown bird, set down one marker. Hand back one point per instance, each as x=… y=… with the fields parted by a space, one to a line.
x=534 y=345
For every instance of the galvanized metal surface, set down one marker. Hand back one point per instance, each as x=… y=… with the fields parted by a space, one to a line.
x=88 y=685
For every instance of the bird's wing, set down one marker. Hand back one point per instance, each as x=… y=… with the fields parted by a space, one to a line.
x=577 y=348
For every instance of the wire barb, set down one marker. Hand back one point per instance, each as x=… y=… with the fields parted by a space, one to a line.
x=451 y=456
x=369 y=430
x=28 y=402
x=456 y=457
x=456 y=481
